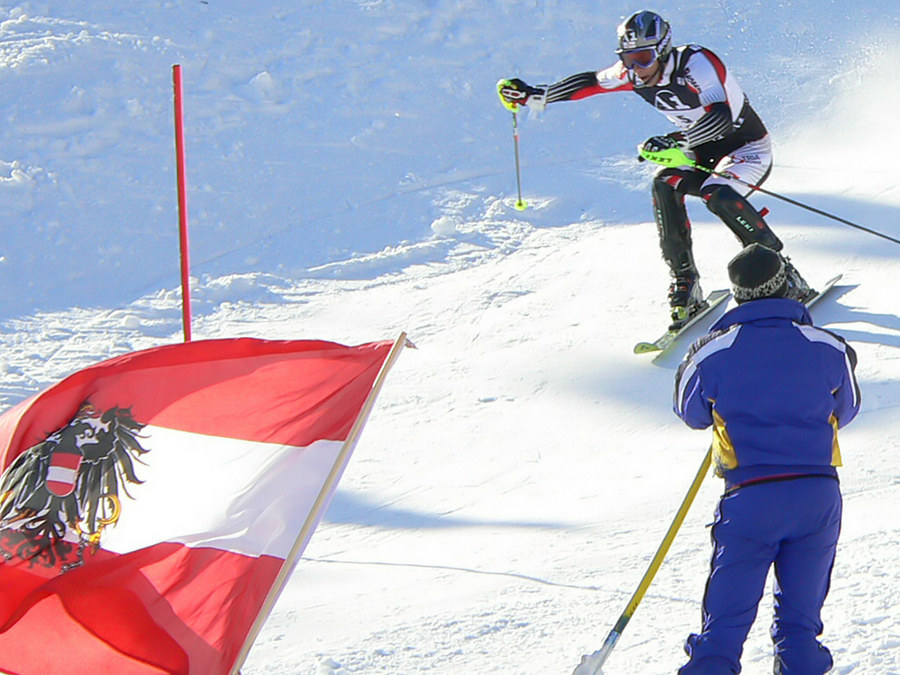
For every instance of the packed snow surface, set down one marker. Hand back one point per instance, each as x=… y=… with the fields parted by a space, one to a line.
x=351 y=176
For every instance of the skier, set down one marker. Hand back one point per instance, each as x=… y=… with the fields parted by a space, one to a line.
x=775 y=389
x=718 y=129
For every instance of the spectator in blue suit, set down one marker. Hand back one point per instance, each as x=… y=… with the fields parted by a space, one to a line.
x=775 y=389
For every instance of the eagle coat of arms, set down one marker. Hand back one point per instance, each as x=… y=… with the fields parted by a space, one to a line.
x=57 y=497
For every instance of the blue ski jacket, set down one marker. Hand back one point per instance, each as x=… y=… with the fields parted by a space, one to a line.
x=774 y=388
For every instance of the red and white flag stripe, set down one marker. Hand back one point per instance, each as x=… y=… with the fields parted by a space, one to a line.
x=62 y=472
x=244 y=441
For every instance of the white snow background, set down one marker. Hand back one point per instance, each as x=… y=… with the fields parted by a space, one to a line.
x=351 y=176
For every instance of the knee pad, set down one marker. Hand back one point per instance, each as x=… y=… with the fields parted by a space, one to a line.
x=740 y=216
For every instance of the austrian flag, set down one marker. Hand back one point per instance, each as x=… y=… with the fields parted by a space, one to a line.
x=152 y=506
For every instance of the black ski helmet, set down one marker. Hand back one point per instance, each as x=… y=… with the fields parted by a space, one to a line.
x=645 y=30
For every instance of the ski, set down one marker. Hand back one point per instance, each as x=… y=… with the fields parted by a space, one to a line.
x=827 y=287
x=714 y=299
x=664 y=341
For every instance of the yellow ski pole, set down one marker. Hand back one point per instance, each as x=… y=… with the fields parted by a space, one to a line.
x=591 y=663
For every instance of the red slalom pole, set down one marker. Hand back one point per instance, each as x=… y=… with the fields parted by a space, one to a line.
x=182 y=206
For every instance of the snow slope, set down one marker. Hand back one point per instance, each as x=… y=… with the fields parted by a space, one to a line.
x=351 y=176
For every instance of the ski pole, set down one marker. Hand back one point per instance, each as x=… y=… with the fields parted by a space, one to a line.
x=592 y=663
x=676 y=157
x=520 y=205
x=512 y=107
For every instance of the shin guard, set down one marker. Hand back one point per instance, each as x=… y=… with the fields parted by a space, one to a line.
x=672 y=224
x=740 y=216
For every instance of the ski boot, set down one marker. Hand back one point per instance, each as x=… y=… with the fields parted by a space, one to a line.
x=685 y=300
x=797 y=288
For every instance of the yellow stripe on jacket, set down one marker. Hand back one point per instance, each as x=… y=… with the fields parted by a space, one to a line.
x=725 y=457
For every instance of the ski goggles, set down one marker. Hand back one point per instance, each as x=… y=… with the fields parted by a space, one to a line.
x=638 y=58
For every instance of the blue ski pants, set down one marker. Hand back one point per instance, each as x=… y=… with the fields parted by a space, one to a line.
x=794 y=525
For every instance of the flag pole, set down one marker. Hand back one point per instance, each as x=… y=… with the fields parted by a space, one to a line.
x=320 y=504
x=182 y=204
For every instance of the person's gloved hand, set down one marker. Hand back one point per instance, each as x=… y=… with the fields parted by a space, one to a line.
x=515 y=92
x=659 y=143
x=656 y=144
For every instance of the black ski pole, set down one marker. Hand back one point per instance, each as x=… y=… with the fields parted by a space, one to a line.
x=802 y=205
x=676 y=157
